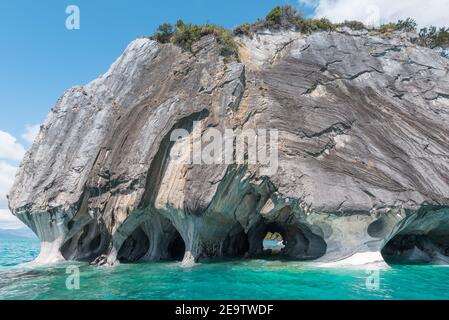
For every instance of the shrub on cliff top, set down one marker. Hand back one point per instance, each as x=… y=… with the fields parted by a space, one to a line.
x=285 y=17
x=407 y=25
x=432 y=37
x=186 y=34
x=274 y=16
x=243 y=29
x=164 y=33
x=388 y=27
x=309 y=25
x=353 y=25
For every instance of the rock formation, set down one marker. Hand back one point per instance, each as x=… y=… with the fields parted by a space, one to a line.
x=363 y=149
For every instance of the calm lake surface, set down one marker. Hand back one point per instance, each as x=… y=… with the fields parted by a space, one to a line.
x=240 y=279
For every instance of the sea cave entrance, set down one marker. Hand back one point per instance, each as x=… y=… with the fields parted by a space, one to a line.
x=176 y=248
x=274 y=241
x=424 y=241
x=417 y=248
x=134 y=247
x=289 y=241
x=86 y=244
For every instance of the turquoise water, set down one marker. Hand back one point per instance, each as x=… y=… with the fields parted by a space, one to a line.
x=14 y=252
x=244 y=279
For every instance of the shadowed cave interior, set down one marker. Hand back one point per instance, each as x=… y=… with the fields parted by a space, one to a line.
x=135 y=247
x=419 y=244
x=86 y=244
x=176 y=248
x=294 y=242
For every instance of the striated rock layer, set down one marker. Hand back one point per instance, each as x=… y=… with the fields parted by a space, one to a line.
x=363 y=149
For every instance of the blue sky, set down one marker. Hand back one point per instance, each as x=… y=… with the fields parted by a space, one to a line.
x=40 y=58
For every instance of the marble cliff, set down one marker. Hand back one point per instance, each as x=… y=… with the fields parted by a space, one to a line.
x=363 y=150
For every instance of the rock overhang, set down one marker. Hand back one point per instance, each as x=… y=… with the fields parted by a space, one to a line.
x=361 y=123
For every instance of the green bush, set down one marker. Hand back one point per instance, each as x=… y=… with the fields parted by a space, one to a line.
x=442 y=38
x=274 y=16
x=353 y=25
x=310 y=25
x=283 y=18
x=228 y=46
x=179 y=24
x=433 y=37
x=388 y=27
x=408 y=25
x=164 y=33
x=185 y=35
x=325 y=24
x=243 y=30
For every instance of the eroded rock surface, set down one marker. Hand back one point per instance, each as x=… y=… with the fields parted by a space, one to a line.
x=363 y=154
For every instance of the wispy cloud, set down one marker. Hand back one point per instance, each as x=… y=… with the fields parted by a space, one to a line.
x=31 y=133
x=11 y=153
x=7 y=174
x=8 y=221
x=10 y=149
x=374 y=12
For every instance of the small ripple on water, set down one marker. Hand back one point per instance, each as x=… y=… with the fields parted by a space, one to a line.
x=238 y=279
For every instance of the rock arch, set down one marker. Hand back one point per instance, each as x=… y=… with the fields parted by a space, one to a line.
x=422 y=238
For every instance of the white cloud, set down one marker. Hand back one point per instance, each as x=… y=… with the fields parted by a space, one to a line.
x=374 y=12
x=31 y=133
x=8 y=221
x=309 y=3
x=10 y=149
x=7 y=175
x=11 y=152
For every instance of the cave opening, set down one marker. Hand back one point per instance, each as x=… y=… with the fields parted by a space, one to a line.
x=96 y=243
x=288 y=241
x=236 y=243
x=417 y=248
x=274 y=242
x=134 y=247
x=86 y=244
x=176 y=248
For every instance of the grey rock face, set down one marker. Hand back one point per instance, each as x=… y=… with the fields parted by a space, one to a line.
x=363 y=154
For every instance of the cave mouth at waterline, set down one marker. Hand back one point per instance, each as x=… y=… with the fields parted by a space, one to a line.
x=417 y=248
x=86 y=244
x=176 y=248
x=134 y=247
x=293 y=242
